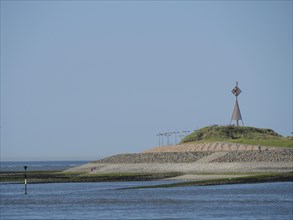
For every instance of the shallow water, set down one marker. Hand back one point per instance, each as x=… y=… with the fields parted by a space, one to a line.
x=104 y=201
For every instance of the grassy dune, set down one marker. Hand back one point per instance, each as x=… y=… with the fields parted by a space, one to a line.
x=241 y=135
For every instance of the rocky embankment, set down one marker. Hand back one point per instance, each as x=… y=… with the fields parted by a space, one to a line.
x=191 y=157
x=166 y=157
x=217 y=146
x=255 y=156
x=200 y=158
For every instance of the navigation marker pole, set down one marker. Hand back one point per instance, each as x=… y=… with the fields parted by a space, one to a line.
x=175 y=133
x=186 y=132
x=25 y=180
x=159 y=138
x=167 y=135
x=236 y=115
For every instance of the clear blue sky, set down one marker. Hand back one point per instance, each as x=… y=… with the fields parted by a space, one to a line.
x=81 y=80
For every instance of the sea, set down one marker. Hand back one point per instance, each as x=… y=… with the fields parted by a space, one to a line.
x=39 y=165
x=108 y=200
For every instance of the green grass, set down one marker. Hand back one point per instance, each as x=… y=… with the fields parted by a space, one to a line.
x=241 y=135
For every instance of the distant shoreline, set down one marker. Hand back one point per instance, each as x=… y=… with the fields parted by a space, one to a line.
x=46 y=165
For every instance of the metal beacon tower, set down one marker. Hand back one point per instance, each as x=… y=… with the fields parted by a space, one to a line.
x=236 y=112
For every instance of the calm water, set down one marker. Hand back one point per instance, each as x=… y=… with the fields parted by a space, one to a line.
x=104 y=201
x=39 y=165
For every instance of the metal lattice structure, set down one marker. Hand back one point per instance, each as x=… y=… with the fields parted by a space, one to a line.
x=236 y=115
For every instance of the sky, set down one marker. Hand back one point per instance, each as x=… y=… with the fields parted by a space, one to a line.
x=82 y=80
